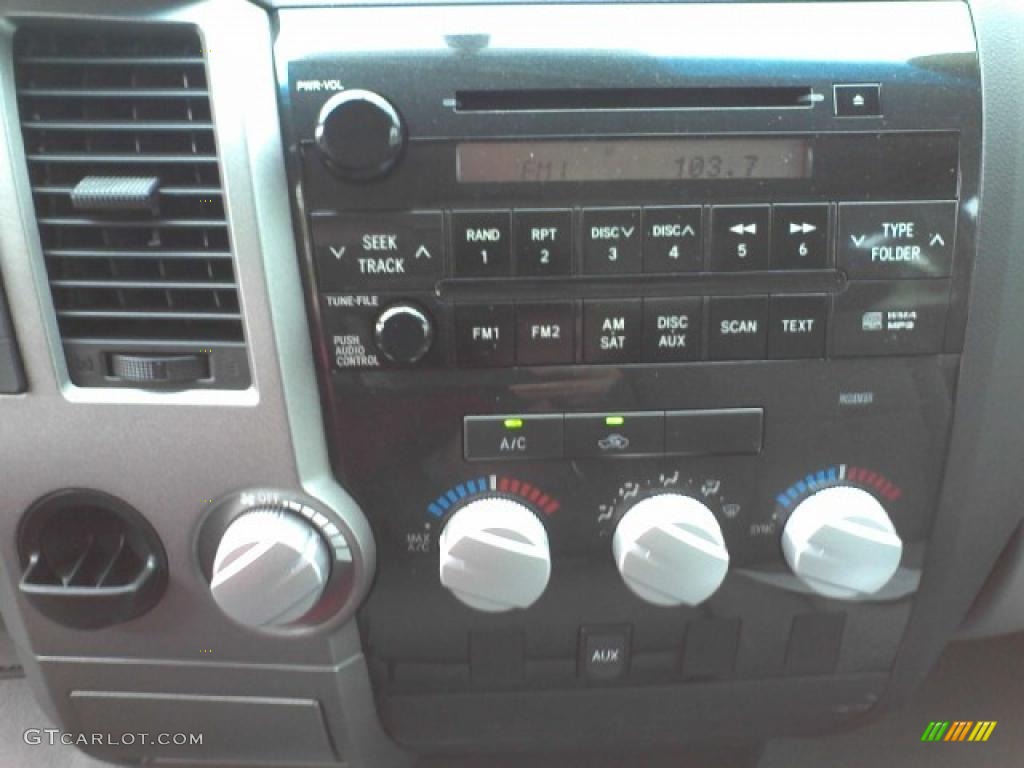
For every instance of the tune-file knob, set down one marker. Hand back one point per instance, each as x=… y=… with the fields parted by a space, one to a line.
x=841 y=543
x=670 y=550
x=495 y=555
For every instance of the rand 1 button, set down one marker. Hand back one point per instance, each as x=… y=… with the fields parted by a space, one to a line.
x=797 y=326
x=602 y=435
x=377 y=250
x=673 y=239
x=727 y=431
x=612 y=241
x=672 y=329
x=896 y=240
x=543 y=243
x=890 y=318
x=487 y=438
x=738 y=328
x=485 y=334
x=612 y=330
x=800 y=236
x=740 y=237
x=545 y=333
x=482 y=243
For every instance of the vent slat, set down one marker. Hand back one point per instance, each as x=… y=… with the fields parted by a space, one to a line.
x=100 y=93
x=118 y=125
x=144 y=285
x=114 y=101
x=130 y=159
x=107 y=61
x=94 y=253
x=133 y=223
x=106 y=314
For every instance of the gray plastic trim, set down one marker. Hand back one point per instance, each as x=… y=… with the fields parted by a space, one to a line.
x=169 y=455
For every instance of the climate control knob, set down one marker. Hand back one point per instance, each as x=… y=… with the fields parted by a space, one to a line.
x=495 y=555
x=270 y=569
x=670 y=550
x=841 y=543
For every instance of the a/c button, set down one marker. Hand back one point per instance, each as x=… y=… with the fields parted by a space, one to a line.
x=513 y=437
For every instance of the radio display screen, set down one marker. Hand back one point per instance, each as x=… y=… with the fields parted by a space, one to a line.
x=667 y=159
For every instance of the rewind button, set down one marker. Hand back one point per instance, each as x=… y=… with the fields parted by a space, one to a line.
x=740 y=239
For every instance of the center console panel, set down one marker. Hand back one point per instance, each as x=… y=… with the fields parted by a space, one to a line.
x=617 y=331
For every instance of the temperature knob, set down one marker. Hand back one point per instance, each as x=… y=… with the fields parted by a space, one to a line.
x=670 y=550
x=495 y=555
x=270 y=569
x=841 y=543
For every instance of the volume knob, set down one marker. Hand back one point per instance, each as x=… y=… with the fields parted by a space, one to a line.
x=670 y=550
x=495 y=555
x=841 y=543
x=360 y=134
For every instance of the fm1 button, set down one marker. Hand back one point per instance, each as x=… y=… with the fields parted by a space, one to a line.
x=485 y=334
x=604 y=653
x=545 y=333
x=740 y=238
x=673 y=240
x=797 y=326
x=800 y=237
x=739 y=328
x=896 y=240
x=672 y=329
x=481 y=242
x=543 y=243
x=611 y=241
x=488 y=438
x=611 y=330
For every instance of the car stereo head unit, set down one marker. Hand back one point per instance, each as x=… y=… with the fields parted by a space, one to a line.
x=637 y=328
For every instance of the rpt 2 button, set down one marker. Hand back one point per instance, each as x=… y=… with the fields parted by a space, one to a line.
x=513 y=437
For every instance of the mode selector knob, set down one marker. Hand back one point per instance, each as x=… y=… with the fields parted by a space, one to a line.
x=271 y=568
x=841 y=543
x=404 y=333
x=495 y=555
x=360 y=134
x=670 y=550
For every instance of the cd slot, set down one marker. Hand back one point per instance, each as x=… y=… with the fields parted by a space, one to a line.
x=609 y=99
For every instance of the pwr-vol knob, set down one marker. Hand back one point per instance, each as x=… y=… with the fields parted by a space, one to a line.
x=495 y=555
x=360 y=134
x=841 y=543
x=670 y=550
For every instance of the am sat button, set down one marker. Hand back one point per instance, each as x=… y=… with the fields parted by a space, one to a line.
x=488 y=438
x=896 y=240
x=599 y=435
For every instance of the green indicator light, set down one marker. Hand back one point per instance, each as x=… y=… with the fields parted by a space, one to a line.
x=614 y=421
x=513 y=423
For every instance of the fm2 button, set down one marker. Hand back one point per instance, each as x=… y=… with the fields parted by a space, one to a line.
x=377 y=250
x=488 y=438
x=896 y=240
x=612 y=241
x=545 y=333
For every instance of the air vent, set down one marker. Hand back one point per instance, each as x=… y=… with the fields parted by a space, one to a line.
x=122 y=160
